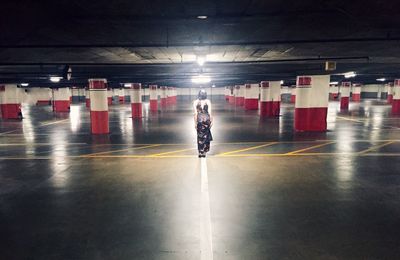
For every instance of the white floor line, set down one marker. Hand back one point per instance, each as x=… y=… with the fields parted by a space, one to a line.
x=205 y=226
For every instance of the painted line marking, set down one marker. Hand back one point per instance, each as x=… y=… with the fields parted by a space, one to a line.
x=8 y=132
x=171 y=152
x=53 y=123
x=375 y=147
x=246 y=149
x=120 y=150
x=205 y=222
x=309 y=148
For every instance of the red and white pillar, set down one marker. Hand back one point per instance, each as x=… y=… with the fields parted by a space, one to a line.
x=153 y=98
x=163 y=96
x=227 y=93
x=293 y=95
x=396 y=98
x=61 y=100
x=239 y=95
x=121 y=95
x=98 y=106
x=344 y=95
x=356 y=94
x=251 y=96
x=136 y=100
x=10 y=105
x=231 y=97
x=109 y=96
x=311 y=108
x=333 y=92
x=270 y=98
x=390 y=93
x=87 y=98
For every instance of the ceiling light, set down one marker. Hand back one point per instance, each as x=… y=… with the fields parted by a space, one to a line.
x=282 y=82
x=213 y=86
x=202 y=17
x=127 y=85
x=55 y=79
x=201 y=79
x=333 y=83
x=24 y=84
x=201 y=60
x=381 y=79
x=350 y=74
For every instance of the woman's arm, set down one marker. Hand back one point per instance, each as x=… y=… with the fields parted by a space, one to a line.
x=210 y=111
x=195 y=113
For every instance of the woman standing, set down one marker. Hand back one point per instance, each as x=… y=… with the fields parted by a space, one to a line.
x=203 y=122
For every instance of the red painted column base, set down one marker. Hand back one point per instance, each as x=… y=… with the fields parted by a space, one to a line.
x=61 y=106
x=390 y=99
x=292 y=99
x=109 y=101
x=396 y=107
x=344 y=103
x=136 y=110
x=310 y=119
x=99 y=122
x=164 y=102
x=251 y=104
x=231 y=100
x=356 y=97
x=154 y=105
x=239 y=101
x=227 y=98
x=270 y=108
x=11 y=111
x=87 y=101
x=121 y=99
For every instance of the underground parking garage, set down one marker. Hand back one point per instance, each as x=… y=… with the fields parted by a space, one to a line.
x=199 y=130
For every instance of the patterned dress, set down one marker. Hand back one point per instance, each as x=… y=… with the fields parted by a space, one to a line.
x=204 y=136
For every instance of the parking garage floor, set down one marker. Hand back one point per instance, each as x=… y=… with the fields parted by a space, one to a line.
x=263 y=192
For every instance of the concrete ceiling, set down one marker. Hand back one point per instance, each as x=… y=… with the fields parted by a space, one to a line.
x=158 y=41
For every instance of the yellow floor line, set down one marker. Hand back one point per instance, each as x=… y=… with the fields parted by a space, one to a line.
x=310 y=148
x=171 y=152
x=246 y=149
x=120 y=150
x=375 y=147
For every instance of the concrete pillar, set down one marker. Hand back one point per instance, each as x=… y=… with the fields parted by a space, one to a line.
x=87 y=98
x=164 y=96
x=61 y=101
x=251 y=96
x=10 y=105
x=390 y=93
x=293 y=94
x=153 y=98
x=270 y=99
x=136 y=100
x=121 y=96
x=43 y=96
x=239 y=95
x=344 y=95
x=98 y=106
x=333 y=92
x=312 y=98
x=396 y=98
x=227 y=93
x=109 y=96
x=232 y=95
x=356 y=94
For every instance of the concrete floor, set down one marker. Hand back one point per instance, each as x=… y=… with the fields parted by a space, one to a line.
x=264 y=192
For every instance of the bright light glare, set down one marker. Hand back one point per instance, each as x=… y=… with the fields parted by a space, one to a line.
x=24 y=84
x=282 y=82
x=333 y=83
x=55 y=79
x=381 y=79
x=350 y=74
x=201 y=60
x=202 y=16
x=127 y=85
x=201 y=79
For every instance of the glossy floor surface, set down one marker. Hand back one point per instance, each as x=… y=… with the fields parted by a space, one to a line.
x=264 y=192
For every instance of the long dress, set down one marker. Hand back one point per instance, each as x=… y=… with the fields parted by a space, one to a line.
x=204 y=136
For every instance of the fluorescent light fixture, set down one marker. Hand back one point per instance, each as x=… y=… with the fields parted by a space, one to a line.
x=333 y=83
x=213 y=86
x=127 y=85
x=201 y=79
x=381 y=79
x=55 y=79
x=350 y=74
x=282 y=82
x=201 y=60
x=24 y=84
x=202 y=17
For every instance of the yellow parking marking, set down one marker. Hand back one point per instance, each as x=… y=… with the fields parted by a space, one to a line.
x=246 y=149
x=171 y=152
x=309 y=148
x=120 y=150
x=375 y=147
